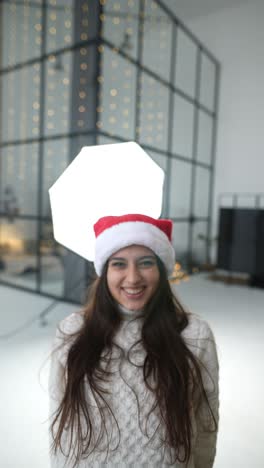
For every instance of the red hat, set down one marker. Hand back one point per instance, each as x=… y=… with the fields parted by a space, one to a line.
x=117 y=232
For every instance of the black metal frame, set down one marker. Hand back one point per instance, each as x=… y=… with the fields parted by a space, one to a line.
x=237 y=196
x=235 y=256
x=95 y=132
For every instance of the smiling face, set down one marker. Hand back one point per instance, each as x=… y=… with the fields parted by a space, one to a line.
x=133 y=276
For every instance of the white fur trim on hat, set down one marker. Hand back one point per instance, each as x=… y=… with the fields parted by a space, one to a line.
x=128 y=233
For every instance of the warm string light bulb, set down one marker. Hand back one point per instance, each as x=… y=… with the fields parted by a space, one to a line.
x=82 y=94
x=178 y=274
x=51 y=66
x=65 y=105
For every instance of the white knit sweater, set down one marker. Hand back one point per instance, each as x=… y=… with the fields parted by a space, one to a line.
x=135 y=449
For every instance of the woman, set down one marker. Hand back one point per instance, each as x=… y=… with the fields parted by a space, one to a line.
x=134 y=377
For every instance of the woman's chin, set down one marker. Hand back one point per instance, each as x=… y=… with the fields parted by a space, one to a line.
x=132 y=304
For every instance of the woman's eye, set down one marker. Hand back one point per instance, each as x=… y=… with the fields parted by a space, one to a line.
x=118 y=264
x=147 y=263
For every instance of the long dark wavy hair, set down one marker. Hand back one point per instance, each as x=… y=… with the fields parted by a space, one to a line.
x=169 y=363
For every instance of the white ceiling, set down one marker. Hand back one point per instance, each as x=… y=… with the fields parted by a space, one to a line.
x=187 y=10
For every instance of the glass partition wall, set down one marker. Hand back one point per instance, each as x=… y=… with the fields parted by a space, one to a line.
x=79 y=73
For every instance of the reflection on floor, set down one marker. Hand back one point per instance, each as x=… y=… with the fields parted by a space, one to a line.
x=236 y=314
x=21 y=270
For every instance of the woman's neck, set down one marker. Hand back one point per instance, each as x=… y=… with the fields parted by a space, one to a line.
x=128 y=313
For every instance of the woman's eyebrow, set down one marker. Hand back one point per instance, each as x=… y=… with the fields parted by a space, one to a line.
x=117 y=258
x=146 y=256
x=143 y=257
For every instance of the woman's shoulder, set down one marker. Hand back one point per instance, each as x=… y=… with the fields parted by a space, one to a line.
x=200 y=340
x=197 y=326
x=66 y=331
x=71 y=324
x=198 y=332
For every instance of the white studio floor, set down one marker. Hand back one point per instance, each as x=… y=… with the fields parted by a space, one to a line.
x=236 y=315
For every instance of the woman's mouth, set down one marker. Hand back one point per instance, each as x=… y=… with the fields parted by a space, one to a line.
x=134 y=292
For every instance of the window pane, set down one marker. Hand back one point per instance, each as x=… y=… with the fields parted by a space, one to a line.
x=59 y=24
x=52 y=262
x=182 y=143
x=20 y=103
x=121 y=25
x=57 y=156
x=160 y=159
x=205 y=136
x=117 y=113
x=58 y=86
x=69 y=22
x=207 y=86
x=70 y=93
x=21 y=31
x=261 y=201
x=19 y=165
x=56 y=159
x=103 y=140
x=180 y=242
x=199 y=243
x=157 y=40
x=18 y=245
x=58 y=95
x=246 y=201
x=154 y=109
x=201 y=199
x=180 y=189
x=185 y=67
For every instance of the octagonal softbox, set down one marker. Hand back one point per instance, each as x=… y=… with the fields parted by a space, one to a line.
x=112 y=179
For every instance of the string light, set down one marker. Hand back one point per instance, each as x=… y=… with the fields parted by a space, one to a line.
x=178 y=274
x=23 y=167
x=117 y=98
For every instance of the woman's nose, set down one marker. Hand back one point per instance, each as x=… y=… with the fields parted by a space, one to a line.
x=133 y=274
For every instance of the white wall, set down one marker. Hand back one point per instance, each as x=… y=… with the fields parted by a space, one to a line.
x=236 y=37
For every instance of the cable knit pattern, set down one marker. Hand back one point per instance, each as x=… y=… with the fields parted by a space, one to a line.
x=137 y=447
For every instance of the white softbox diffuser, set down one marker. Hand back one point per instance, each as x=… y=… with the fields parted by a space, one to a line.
x=103 y=180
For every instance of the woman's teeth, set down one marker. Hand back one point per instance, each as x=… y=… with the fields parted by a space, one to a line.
x=133 y=291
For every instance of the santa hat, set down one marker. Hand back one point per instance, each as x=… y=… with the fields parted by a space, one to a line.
x=117 y=232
